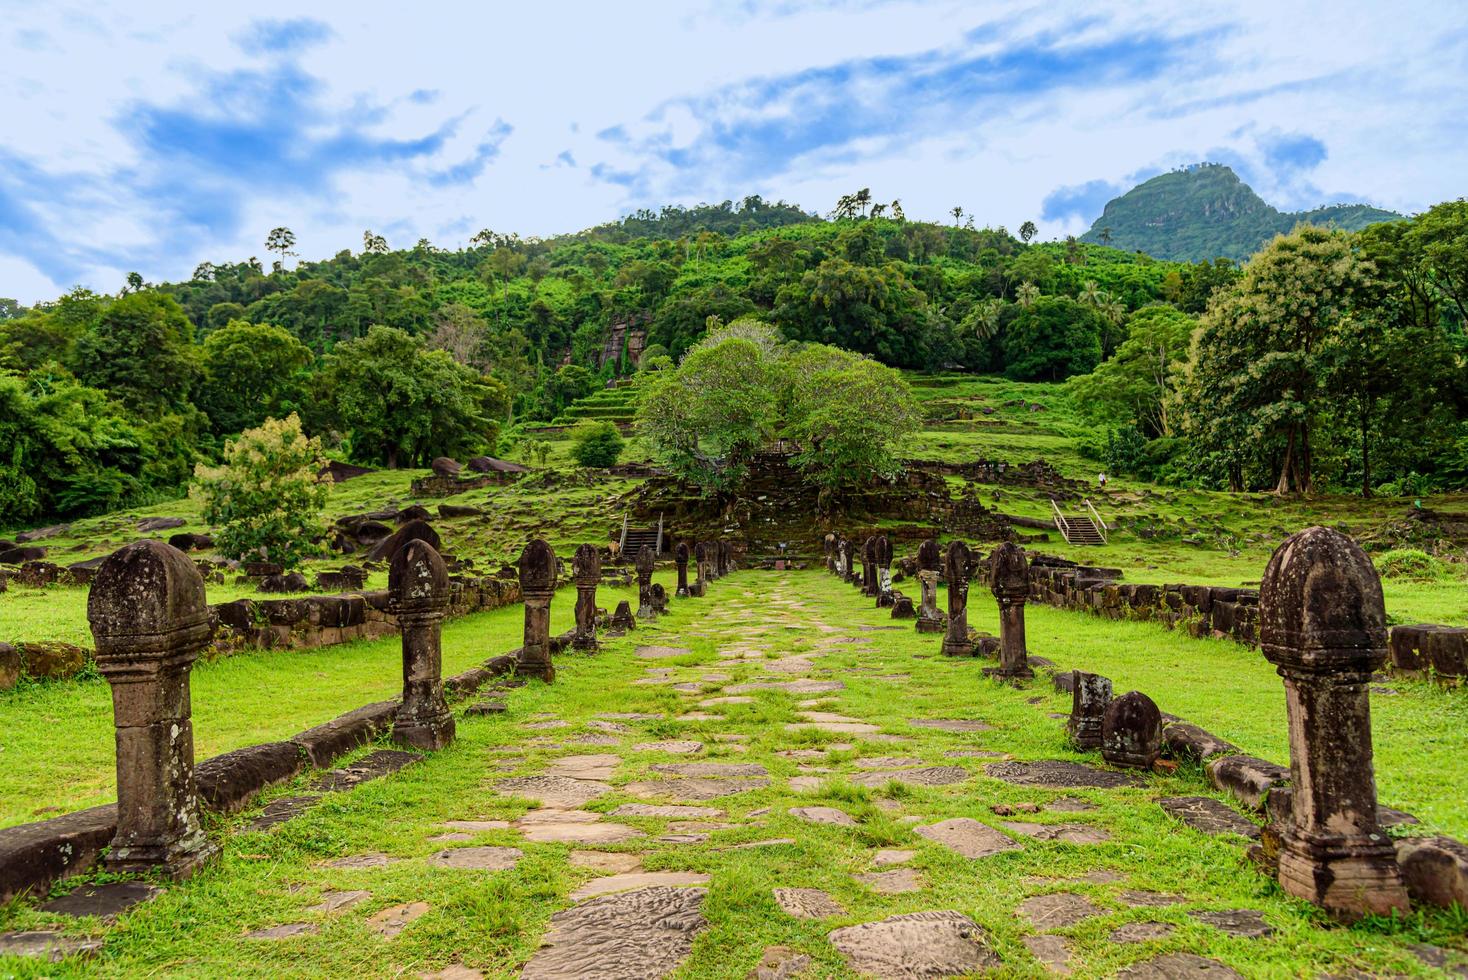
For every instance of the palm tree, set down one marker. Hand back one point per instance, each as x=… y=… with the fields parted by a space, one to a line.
x=1027 y=231
x=1026 y=294
x=957 y=213
x=863 y=197
x=983 y=320
x=1091 y=294
x=897 y=212
x=878 y=210
x=1104 y=237
x=1114 y=310
x=845 y=207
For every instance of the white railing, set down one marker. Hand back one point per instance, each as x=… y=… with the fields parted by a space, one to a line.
x=622 y=542
x=659 y=549
x=1060 y=522
x=1101 y=527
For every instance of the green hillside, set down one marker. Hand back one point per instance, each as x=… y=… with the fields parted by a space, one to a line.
x=1205 y=212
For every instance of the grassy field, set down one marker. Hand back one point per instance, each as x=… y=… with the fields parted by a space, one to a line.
x=494 y=921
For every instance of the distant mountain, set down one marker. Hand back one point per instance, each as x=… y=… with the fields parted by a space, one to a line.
x=1205 y=211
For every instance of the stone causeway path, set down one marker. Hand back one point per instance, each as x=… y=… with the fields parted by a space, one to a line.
x=772 y=781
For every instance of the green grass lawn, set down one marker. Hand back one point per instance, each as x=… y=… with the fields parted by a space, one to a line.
x=494 y=921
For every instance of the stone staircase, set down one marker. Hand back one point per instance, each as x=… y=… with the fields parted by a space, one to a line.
x=1086 y=527
x=633 y=538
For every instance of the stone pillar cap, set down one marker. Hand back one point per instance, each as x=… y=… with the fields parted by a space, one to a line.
x=1009 y=571
x=586 y=565
x=147 y=602
x=1320 y=605
x=927 y=556
x=417 y=579
x=537 y=569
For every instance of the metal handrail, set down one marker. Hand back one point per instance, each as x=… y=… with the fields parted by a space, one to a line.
x=1060 y=522
x=1101 y=527
x=659 y=549
x=622 y=542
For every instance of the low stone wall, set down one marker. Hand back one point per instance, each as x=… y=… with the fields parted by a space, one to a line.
x=447 y=486
x=1223 y=612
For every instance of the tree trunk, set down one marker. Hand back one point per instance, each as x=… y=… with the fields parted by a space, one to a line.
x=1287 y=466
x=1303 y=461
x=1365 y=448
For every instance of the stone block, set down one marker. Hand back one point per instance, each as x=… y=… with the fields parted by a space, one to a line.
x=226 y=782
x=1248 y=778
x=1435 y=870
x=52 y=660
x=1445 y=650
x=34 y=855
x=325 y=743
x=10 y=666
x=1406 y=646
x=1181 y=740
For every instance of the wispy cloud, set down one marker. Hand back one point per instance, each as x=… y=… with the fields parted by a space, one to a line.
x=283 y=37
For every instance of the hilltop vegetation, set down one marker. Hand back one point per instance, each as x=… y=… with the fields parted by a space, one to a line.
x=1207 y=212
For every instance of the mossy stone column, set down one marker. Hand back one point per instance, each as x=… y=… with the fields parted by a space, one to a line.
x=537 y=585
x=884 y=572
x=149 y=621
x=929 y=619
x=955 y=568
x=418 y=594
x=1322 y=623
x=680 y=560
x=1009 y=580
x=586 y=568
x=646 y=608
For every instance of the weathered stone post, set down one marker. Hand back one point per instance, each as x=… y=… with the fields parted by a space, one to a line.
x=884 y=572
x=1009 y=580
x=700 y=569
x=586 y=567
x=929 y=619
x=418 y=594
x=1322 y=623
x=869 y=566
x=537 y=585
x=622 y=619
x=848 y=561
x=955 y=568
x=1089 y=696
x=149 y=620
x=1131 y=731
x=646 y=610
x=680 y=560
x=829 y=541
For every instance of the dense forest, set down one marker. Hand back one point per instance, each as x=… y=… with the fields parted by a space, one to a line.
x=1206 y=211
x=395 y=356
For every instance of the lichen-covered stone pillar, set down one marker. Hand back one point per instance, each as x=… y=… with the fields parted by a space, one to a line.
x=929 y=619
x=829 y=542
x=1089 y=696
x=646 y=609
x=1322 y=623
x=680 y=561
x=700 y=569
x=418 y=594
x=869 y=566
x=726 y=558
x=1009 y=580
x=955 y=569
x=884 y=572
x=586 y=569
x=848 y=561
x=537 y=585
x=149 y=621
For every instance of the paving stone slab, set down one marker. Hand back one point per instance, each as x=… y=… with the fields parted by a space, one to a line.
x=1141 y=932
x=829 y=716
x=636 y=935
x=1148 y=899
x=727 y=699
x=888 y=762
x=381 y=763
x=888 y=856
x=279 y=811
x=968 y=837
x=917 y=945
x=106 y=901
x=667 y=811
x=1179 y=966
x=779 y=963
x=42 y=944
x=546 y=726
x=556 y=815
x=476 y=826
x=789 y=687
x=286 y=931
x=693 y=789
x=1067 y=833
x=806 y=784
x=676 y=747
x=661 y=652
x=629 y=715
x=718 y=770
x=487 y=858
x=454 y=971
x=807 y=903
x=1052 y=951
x=972 y=754
x=1245 y=923
x=608 y=726
x=828 y=815
x=358 y=862
x=951 y=724
x=392 y=921
x=1057 y=772
x=335 y=901
x=699 y=716
x=579 y=832
x=638 y=879
x=772 y=842
x=553 y=791
x=1058 y=911
x=898 y=881
x=607 y=861
x=926 y=776
x=1209 y=816
x=839 y=727
x=597 y=768
x=1069 y=804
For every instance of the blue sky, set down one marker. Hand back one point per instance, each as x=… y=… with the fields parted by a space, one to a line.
x=152 y=136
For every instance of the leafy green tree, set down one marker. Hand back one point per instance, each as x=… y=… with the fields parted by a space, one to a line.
x=265 y=500
x=281 y=240
x=1259 y=362
x=402 y=404
x=597 y=444
x=141 y=351
x=1027 y=231
x=681 y=320
x=848 y=414
x=569 y=383
x=1137 y=387
x=1051 y=339
x=252 y=371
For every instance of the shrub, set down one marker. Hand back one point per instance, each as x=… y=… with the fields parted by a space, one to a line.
x=597 y=444
x=1411 y=563
x=266 y=499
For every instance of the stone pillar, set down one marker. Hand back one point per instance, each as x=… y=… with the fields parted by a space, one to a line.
x=622 y=619
x=829 y=542
x=955 y=568
x=929 y=619
x=700 y=569
x=418 y=594
x=1322 y=623
x=149 y=620
x=537 y=585
x=1089 y=696
x=680 y=559
x=586 y=568
x=1009 y=580
x=645 y=561
x=726 y=558
x=884 y=572
x=1131 y=731
x=869 y=566
x=848 y=561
